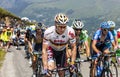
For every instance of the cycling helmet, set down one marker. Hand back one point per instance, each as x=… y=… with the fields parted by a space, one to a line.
x=77 y=24
x=40 y=24
x=111 y=24
x=104 y=25
x=61 y=18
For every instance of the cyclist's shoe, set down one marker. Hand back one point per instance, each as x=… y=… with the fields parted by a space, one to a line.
x=30 y=61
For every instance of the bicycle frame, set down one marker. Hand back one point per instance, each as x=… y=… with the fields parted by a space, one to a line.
x=103 y=63
x=38 y=63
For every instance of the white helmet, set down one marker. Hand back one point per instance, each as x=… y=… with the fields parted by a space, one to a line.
x=77 y=24
x=111 y=24
x=118 y=30
x=61 y=18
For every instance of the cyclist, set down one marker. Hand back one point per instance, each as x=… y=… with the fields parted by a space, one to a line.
x=101 y=43
x=1 y=28
x=36 y=46
x=17 y=37
x=54 y=44
x=28 y=41
x=118 y=36
x=3 y=37
x=113 y=31
x=8 y=35
x=81 y=37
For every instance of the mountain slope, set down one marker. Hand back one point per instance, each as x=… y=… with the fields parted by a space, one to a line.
x=92 y=12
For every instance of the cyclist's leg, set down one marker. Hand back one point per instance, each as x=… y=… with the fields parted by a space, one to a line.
x=94 y=57
x=36 y=47
x=60 y=61
x=68 y=51
x=51 y=62
x=93 y=66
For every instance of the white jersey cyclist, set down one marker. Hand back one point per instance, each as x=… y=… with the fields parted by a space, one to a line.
x=56 y=41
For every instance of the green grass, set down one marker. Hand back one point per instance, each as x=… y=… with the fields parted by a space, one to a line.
x=2 y=55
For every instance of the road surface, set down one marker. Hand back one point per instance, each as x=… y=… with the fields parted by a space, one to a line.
x=15 y=65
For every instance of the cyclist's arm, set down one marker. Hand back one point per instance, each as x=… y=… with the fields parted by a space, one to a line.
x=116 y=40
x=73 y=56
x=87 y=45
x=94 y=42
x=112 y=40
x=25 y=38
x=44 y=54
x=87 y=48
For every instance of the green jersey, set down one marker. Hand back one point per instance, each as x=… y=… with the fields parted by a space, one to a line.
x=82 y=37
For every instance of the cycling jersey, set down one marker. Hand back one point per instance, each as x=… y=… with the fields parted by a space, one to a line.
x=37 y=44
x=102 y=45
x=8 y=35
x=114 y=33
x=109 y=38
x=37 y=39
x=82 y=37
x=56 y=41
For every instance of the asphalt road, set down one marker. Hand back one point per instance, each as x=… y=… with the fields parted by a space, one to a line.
x=15 y=65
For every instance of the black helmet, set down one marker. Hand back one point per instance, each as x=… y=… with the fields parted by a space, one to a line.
x=40 y=24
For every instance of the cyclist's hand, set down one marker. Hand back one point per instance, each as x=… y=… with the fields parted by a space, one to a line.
x=46 y=72
x=99 y=53
x=118 y=46
x=72 y=68
x=115 y=48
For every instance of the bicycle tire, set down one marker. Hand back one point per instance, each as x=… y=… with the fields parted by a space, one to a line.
x=113 y=69
x=106 y=73
x=91 y=71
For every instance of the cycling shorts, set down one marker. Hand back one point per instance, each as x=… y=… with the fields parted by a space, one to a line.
x=38 y=47
x=58 y=56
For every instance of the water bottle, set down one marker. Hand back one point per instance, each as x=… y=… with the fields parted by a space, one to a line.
x=98 y=71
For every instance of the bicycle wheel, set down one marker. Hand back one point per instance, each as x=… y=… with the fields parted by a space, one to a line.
x=39 y=69
x=113 y=69
x=78 y=74
x=107 y=73
x=93 y=70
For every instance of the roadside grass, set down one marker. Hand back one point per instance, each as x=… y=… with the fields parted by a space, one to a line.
x=2 y=56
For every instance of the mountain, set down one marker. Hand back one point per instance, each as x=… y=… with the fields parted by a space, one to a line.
x=92 y=12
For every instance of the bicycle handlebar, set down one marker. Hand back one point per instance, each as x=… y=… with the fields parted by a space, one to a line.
x=37 y=52
x=80 y=60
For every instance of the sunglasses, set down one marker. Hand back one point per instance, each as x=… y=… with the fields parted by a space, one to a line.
x=38 y=29
x=78 y=29
x=62 y=27
x=105 y=30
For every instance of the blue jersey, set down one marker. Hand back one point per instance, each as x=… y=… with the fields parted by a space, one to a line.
x=108 y=39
